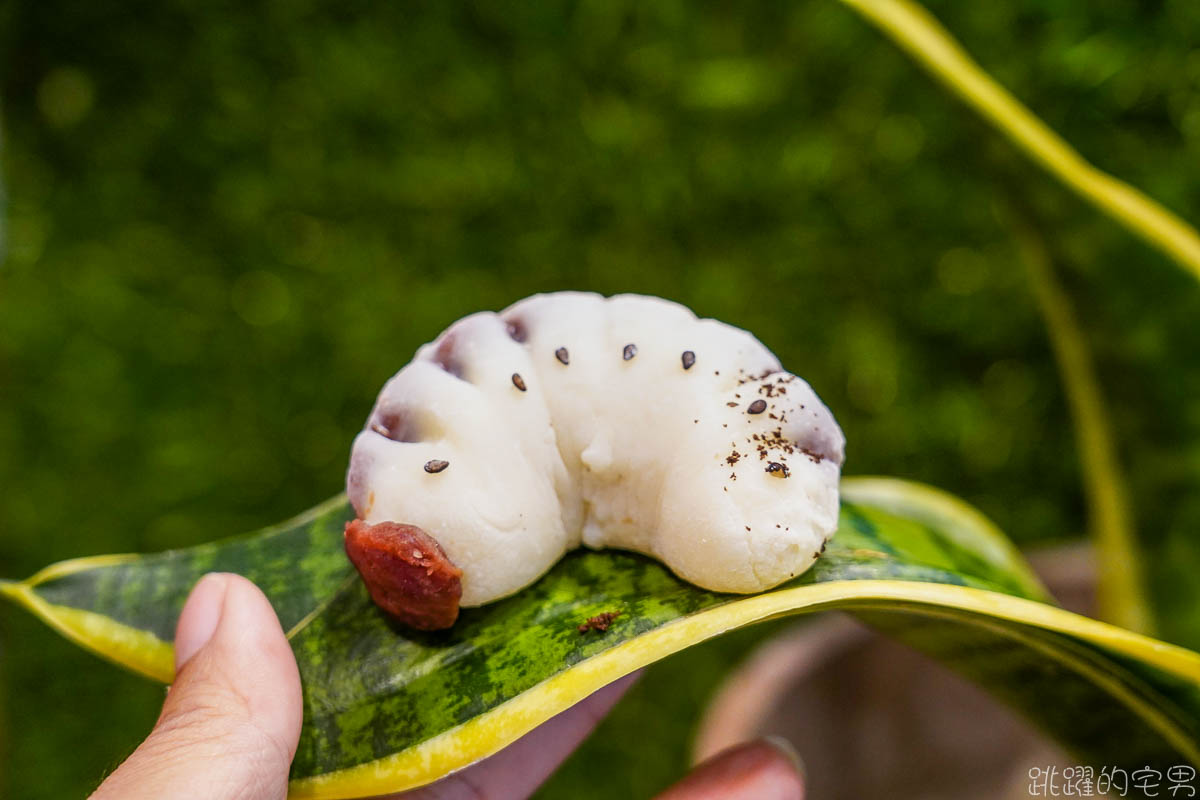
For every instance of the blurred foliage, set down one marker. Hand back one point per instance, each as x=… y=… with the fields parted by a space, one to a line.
x=228 y=223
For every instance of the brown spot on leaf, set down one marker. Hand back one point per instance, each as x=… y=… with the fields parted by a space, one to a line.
x=600 y=622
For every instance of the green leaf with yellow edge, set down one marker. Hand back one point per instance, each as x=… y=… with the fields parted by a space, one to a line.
x=387 y=710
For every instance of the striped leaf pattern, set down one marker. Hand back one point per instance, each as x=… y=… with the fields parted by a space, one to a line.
x=386 y=709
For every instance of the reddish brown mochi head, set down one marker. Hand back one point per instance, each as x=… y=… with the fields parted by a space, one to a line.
x=407 y=573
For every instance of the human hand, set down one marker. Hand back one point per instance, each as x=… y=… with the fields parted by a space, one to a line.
x=231 y=721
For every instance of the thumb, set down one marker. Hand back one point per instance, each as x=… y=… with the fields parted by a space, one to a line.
x=231 y=721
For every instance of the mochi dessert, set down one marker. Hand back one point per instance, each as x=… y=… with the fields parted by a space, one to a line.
x=569 y=419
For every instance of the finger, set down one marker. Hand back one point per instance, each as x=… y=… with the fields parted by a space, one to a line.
x=517 y=770
x=231 y=721
x=761 y=770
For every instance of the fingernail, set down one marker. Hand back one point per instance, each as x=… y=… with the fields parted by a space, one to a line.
x=789 y=751
x=199 y=618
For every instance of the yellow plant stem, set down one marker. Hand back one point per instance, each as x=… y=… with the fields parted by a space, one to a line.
x=915 y=30
x=1121 y=595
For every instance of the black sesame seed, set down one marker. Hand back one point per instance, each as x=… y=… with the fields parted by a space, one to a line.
x=562 y=355
x=435 y=466
x=757 y=407
x=689 y=359
x=629 y=352
x=777 y=469
x=518 y=381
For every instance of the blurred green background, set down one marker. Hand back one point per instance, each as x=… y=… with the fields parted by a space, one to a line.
x=228 y=223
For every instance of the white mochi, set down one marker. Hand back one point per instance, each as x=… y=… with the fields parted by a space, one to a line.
x=637 y=453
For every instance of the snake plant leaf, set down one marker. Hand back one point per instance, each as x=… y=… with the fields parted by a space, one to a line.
x=387 y=710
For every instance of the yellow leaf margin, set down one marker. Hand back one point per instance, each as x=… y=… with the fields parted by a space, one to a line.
x=136 y=650
x=493 y=730
x=490 y=732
